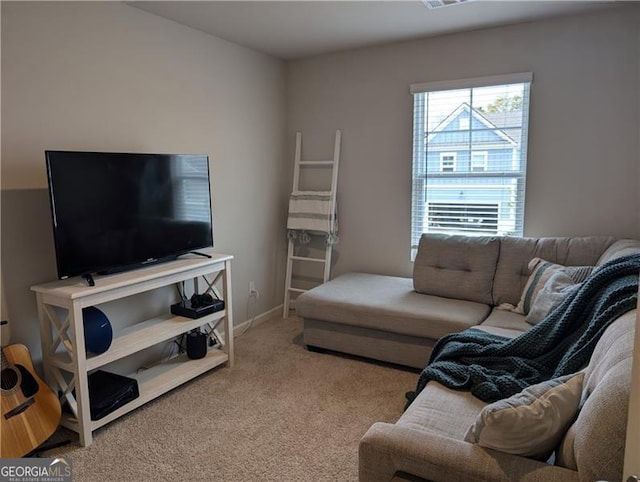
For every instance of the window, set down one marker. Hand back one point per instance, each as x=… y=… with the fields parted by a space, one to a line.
x=463 y=218
x=470 y=156
x=479 y=161
x=447 y=161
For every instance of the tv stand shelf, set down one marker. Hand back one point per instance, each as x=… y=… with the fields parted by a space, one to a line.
x=67 y=365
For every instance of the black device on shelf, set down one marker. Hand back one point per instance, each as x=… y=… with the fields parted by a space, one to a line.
x=116 y=211
x=196 y=344
x=109 y=391
x=197 y=306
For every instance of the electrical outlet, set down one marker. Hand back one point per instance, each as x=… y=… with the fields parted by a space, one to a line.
x=253 y=292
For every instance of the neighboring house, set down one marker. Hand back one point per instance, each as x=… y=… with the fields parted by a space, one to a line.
x=474 y=172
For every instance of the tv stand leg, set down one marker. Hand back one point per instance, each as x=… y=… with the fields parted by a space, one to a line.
x=89 y=279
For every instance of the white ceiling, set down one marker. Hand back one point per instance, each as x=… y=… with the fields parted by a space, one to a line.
x=295 y=29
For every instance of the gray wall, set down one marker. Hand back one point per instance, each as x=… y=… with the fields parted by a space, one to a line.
x=106 y=76
x=583 y=170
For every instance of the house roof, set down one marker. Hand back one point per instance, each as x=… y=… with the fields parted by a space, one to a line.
x=501 y=121
x=505 y=120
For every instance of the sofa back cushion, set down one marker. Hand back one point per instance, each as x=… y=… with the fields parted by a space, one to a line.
x=512 y=270
x=454 y=266
x=622 y=247
x=595 y=444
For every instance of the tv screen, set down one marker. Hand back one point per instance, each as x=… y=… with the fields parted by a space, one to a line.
x=116 y=211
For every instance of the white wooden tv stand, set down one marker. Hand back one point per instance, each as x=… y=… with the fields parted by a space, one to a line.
x=66 y=363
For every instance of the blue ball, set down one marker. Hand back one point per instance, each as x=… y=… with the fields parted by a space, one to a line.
x=98 y=333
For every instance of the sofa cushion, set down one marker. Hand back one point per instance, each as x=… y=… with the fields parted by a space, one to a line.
x=459 y=267
x=532 y=422
x=434 y=406
x=390 y=304
x=595 y=443
x=493 y=330
x=622 y=247
x=505 y=320
x=512 y=270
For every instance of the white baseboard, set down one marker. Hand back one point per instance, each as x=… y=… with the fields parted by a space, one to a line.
x=259 y=319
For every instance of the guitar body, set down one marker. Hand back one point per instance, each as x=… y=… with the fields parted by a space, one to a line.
x=30 y=410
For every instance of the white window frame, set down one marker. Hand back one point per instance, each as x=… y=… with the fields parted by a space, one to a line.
x=484 y=163
x=420 y=167
x=454 y=161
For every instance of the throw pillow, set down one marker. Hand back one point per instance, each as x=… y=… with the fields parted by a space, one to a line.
x=532 y=422
x=540 y=271
x=557 y=288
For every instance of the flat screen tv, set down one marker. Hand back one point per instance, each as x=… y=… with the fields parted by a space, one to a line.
x=115 y=211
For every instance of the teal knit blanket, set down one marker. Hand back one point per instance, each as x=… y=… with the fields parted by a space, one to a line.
x=494 y=367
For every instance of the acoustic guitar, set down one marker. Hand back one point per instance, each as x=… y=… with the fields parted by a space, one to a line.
x=30 y=410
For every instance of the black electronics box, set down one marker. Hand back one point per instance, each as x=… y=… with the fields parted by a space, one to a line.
x=109 y=391
x=196 y=310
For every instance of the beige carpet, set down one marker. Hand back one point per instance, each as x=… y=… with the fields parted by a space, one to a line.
x=281 y=414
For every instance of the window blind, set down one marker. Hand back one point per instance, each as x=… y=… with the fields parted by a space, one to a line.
x=470 y=156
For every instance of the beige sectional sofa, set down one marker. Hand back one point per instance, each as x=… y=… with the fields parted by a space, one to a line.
x=460 y=283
